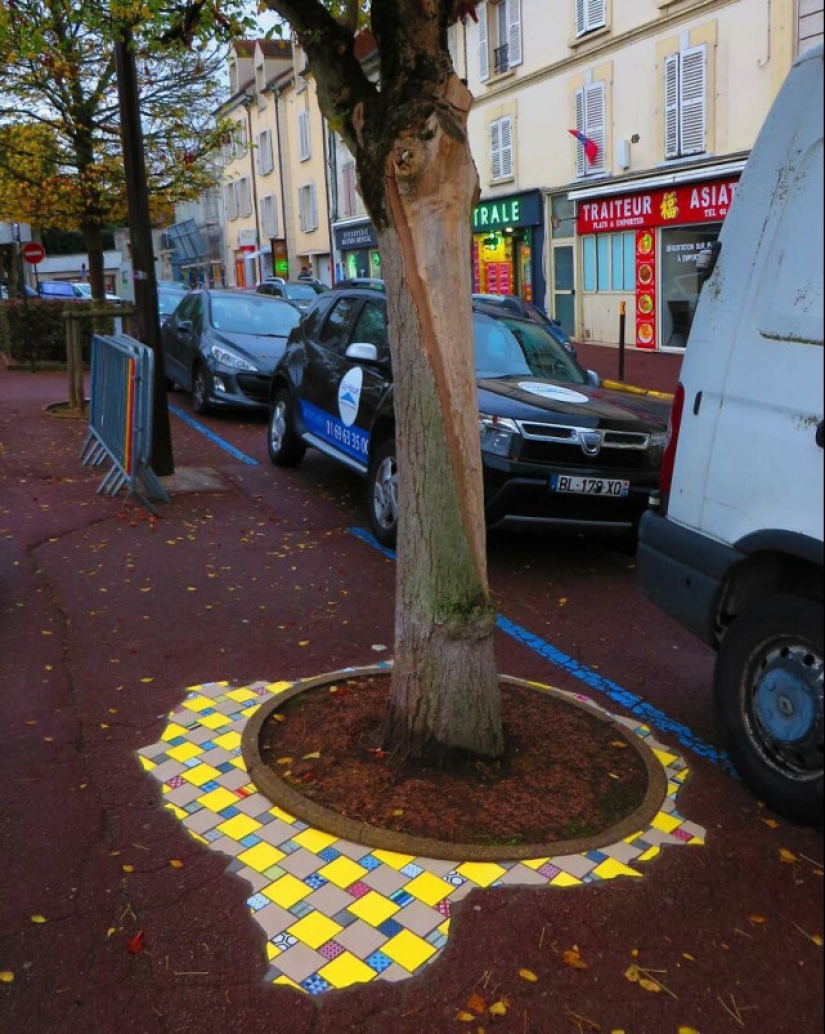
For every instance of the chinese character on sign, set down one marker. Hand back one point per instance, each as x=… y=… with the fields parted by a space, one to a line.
x=669 y=208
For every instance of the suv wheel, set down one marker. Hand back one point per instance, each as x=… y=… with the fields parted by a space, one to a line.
x=382 y=494
x=285 y=447
x=768 y=694
x=200 y=389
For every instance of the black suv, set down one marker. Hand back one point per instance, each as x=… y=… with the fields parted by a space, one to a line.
x=557 y=448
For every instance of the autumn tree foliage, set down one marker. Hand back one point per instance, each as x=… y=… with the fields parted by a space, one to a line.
x=61 y=161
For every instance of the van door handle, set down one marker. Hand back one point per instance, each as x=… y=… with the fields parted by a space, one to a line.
x=820 y=434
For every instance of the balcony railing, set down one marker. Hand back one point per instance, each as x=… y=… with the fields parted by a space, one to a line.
x=501 y=59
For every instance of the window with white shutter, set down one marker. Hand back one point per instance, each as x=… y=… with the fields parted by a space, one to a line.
x=269 y=216
x=303 y=135
x=483 y=44
x=501 y=149
x=239 y=140
x=230 y=201
x=244 y=196
x=590 y=120
x=513 y=33
x=308 y=208
x=590 y=15
x=685 y=103
x=264 y=148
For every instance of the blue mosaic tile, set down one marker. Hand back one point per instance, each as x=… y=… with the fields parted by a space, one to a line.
x=401 y=898
x=389 y=928
x=300 y=826
x=455 y=879
x=228 y=812
x=224 y=767
x=329 y=854
x=370 y=862
x=597 y=856
x=436 y=938
x=236 y=752
x=314 y=880
x=284 y=940
x=344 y=918
x=193 y=762
x=289 y=847
x=176 y=742
x=412 y=870
x=378 y=961
x=211 y=834
x=210 y=786
x=315 y=985
x=250 y=841
x=300 y=909
x=208 y=710
x=258 y=901
x=208 y=745
x=192 y=807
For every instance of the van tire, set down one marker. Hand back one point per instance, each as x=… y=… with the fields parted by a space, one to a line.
x=382 y=494
x=769 y=703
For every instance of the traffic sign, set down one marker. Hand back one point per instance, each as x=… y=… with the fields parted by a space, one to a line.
x=33 y=252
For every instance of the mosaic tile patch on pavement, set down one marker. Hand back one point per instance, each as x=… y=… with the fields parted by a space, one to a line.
x=334 y=912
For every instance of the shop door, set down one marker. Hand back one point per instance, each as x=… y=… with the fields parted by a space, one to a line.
x=564 y=289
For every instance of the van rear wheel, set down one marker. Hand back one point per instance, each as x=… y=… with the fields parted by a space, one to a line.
x=768 y=689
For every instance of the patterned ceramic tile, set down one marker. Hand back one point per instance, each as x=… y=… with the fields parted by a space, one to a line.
x=337 y=913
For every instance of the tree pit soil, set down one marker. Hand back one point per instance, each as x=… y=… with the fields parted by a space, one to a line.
x=564 y=774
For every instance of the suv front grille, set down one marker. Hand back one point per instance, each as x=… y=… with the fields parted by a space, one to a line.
x=559 y=445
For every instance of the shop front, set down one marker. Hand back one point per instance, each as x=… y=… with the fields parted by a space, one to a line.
x=642 y=247
x=356 y=246
x=508 y=241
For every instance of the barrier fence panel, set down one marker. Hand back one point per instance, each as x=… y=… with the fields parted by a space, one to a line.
x=120 y=418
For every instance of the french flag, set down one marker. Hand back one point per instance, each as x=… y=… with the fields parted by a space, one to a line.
x=591 y=148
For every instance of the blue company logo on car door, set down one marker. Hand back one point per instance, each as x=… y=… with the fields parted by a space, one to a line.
x=340 y=431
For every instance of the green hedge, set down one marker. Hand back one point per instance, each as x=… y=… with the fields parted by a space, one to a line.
x=33 y=331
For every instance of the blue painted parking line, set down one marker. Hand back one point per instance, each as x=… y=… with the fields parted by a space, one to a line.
x=633 y=703
x=220 y=442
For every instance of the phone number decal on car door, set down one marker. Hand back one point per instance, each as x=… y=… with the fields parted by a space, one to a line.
x=351 y=440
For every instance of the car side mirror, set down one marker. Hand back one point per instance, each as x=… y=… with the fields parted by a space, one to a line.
x=706 y=260
x=362 y=352
x=594 y=379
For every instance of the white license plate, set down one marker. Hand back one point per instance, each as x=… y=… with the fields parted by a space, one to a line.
x=589 y=486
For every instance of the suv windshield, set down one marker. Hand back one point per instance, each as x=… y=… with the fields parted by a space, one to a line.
x=519 y=348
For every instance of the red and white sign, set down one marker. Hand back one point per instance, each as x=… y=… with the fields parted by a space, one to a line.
x=675 y=206
x=33 y=252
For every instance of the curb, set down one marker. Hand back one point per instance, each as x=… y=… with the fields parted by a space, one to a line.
x=621 y=386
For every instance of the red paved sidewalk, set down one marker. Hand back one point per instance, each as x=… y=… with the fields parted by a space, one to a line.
x=651 y=371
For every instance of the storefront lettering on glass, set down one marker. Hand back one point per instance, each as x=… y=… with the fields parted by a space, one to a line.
x=506 y=213
x=352 y=237
x=707 y=202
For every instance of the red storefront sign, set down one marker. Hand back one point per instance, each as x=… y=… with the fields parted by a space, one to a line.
x=698 y=203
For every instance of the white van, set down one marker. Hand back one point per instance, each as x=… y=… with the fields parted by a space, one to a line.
x=735 y=550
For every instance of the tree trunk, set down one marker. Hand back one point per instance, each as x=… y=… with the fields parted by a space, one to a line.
x=93 y=240
x=444 y=700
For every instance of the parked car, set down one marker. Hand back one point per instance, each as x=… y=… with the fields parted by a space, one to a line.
x=222 y=346
x=557 y=448
x=735 y=551
x=85 y=290
x=58 y=291
x=28 y=291
x=168 y=300
x=528 y=311
x=300 y=292
x=370 y=282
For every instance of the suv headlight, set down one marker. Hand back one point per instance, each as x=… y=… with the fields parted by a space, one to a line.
x=497 y=434
x=231 y=359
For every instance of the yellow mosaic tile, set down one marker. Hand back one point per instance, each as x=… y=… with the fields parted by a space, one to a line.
x=184 y=751
x=564 y=879
x=342 y=872
x=238 y=827
x=666 y=823
x=278 y=687
x=665 y=757
x=373 y=908
x=651 y=852
x=172 y=732
x=315 y=929
x=214 y=721
x=612 y=867
x=347 y=969
x=198 y=703
x=283 y=815
x=408 y=950
x=146 y=763
x=286 y=982
x=481 y=873
x=535 y=863
x=179 y=813
x=241 y=695
x=228 y=740
x=314 y=840
x=395 y=861
x=217 y=800
x=200 y=774
x=287 y=891
x=428 y=888
x=261 y=857
x=272 y=950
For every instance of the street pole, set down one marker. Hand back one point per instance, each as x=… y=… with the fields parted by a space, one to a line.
x=622 y=318
x=147 y=323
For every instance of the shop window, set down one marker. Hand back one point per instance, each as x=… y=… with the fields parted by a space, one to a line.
x=501 y=148
x=685 y=102
x=499 y=37
x=609 y=262
x=590 y=15
x=590 y=120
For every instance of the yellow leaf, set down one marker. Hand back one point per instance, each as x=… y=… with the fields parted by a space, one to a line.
x=632 y=973
x=528 y=974
x=817 y=939
x=770 y=822
x=618 y=743
x=498 y=1009
x=573 y=959
x=688 y=956
x=465 y=1017
x=649 y=985
x=757 y=920
x=304 y=642
x=786 y=856
x=6 y=976
x=128 y=868
x=147 y=680
x=39 y=919
x=110 y=931
x=688 y=1030
x=278 y=718
x=398 y=813
x=313 y=754
x=284 y=761
x=176 y=863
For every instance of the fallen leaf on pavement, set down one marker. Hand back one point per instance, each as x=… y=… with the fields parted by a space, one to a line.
x=528 y=975
x=135 y=944
x=572 y=958
x=39 y=919
x=498 y=1008
x=6 y=976
x=786 y=856
x=476 y=1004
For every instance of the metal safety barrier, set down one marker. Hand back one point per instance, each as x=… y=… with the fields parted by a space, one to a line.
x=120 y=418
